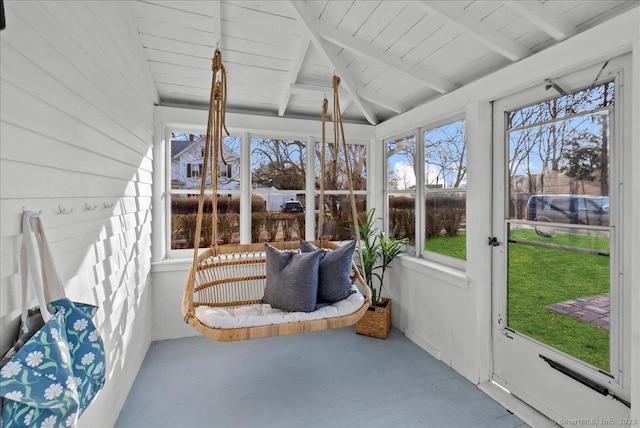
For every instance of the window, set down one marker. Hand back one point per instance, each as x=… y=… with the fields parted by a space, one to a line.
x=337 y=211
x=194 y=170
x=225 y=170
x=186 y=160
x=439 y=162
x=281 y=204
x=445 y=196
x=278 y=172
x=401 y=187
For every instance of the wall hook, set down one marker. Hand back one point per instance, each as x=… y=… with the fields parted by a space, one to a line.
x=64 y=211
x=88 y=207
x=106 y=205
x=25 y=209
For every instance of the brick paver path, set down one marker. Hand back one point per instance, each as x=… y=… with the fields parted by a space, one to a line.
x=594 y=310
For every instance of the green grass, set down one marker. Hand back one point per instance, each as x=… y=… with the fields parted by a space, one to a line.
x=452 y=246
x=542 y=276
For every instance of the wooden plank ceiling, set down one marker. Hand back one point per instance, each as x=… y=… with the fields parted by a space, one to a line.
x=391 y=55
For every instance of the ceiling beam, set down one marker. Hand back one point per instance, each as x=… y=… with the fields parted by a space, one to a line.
x=293 y=73
x=383 y=101
x=347 y=80
x=345 y=105
x=353 y=44
x=493 y=39
x=542 y=18
x=312 y=90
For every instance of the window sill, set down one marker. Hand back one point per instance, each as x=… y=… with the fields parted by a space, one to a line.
x=445 y=274
x=171 y=265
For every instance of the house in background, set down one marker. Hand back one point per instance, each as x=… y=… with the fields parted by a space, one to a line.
x=187 y=158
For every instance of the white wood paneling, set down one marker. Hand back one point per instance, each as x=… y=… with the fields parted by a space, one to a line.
x=76 y=121
x=441 y=45
x=184 y=14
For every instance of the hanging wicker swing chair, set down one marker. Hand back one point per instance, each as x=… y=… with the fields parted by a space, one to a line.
x=231 y=279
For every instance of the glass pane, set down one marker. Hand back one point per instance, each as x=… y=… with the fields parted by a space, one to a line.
x=576 y=103
x=338 y=220
x=278 y=164
x=559 y=170
x=445 y=223
x=558 y=281
x=187 y=158
x=558 y=290
x=335 y=176
x=445 y=190
x=184 y=210
x=402 y=217
x=401 y=156
x=445 y=157
x=277 y=217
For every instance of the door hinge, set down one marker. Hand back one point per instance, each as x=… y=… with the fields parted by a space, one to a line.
x=493 y=241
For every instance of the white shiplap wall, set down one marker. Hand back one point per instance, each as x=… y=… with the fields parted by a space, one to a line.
x=76 y=123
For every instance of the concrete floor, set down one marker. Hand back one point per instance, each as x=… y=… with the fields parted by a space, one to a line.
x=333 y=378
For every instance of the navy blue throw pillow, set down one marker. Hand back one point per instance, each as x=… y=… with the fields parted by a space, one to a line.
x=334 y=283
x=292 y=279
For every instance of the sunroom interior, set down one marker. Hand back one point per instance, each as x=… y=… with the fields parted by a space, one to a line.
x=464 y=118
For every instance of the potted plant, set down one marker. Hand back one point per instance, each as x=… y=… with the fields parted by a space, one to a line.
x=378 y=250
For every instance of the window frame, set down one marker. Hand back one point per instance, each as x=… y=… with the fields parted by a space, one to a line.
x=420 y=191
x=415 y=192
x=169 y=192
x=246 y=189
x=345 y=193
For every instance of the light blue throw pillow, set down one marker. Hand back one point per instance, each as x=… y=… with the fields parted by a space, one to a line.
x=334 y=283
x=292 y=279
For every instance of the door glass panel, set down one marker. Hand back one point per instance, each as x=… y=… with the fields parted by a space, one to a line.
x=558 y=272
x=558 y=289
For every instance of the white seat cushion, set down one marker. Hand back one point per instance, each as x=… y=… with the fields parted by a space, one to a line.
x=263 y=314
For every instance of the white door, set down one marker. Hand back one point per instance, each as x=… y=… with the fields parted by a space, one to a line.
x=559 y=337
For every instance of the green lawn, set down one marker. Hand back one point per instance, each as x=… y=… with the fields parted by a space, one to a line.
x=542 y=276
x=453 y=246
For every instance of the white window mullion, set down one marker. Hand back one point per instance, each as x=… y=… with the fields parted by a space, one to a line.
x=310 y=190
x=245 y=188
x=420 y=194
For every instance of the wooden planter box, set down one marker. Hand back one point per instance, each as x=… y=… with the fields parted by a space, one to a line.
x=376 y=322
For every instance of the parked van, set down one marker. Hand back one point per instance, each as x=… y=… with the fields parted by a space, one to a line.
x=574 y=209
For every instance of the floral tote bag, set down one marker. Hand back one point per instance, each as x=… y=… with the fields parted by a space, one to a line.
x=51 y=379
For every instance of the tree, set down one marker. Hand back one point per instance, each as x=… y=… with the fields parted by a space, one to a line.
x=401 y=152
x=278 y=163
x=584 y=159
x=553 y=135
x=446 y=155
x=279 y=176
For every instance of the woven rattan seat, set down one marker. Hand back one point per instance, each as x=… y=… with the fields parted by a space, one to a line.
x=235 y=276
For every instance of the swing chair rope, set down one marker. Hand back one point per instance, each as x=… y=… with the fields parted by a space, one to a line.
x=338 y=131
x=213 y=149
x=321 y=213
